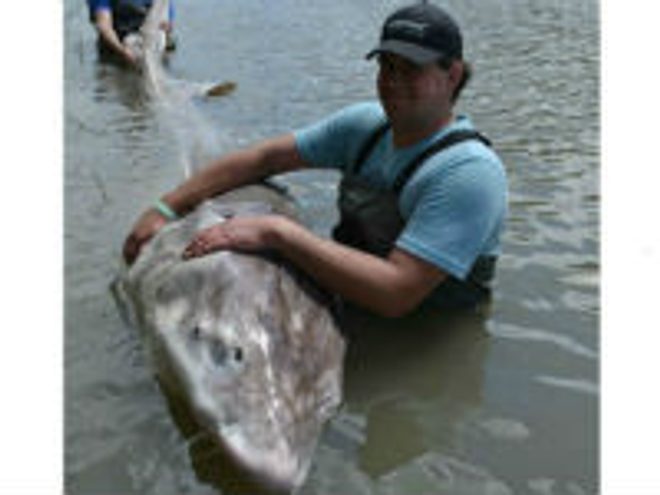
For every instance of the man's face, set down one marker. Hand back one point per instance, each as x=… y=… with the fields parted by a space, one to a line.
x=410 y=92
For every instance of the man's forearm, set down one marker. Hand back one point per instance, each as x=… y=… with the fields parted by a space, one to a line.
x=234 y=170
x=389 y=287
x=107 y=32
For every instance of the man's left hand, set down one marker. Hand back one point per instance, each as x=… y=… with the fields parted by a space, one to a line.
x=247 y=233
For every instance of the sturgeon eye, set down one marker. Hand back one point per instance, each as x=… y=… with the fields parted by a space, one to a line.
x=238 y=354
x=196 y=333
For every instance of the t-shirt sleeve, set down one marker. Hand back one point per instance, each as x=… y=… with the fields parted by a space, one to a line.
x=96 y=5
x=455 y=214
x=335 y=141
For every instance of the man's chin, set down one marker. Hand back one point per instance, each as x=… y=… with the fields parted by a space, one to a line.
x=392 y=110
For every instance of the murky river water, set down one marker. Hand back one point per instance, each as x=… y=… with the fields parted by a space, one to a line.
x=503 y=402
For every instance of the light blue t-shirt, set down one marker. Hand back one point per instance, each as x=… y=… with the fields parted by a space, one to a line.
x=453 y=206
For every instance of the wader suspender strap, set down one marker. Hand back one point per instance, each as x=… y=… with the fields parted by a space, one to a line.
x=368 y=146
x=445 y=142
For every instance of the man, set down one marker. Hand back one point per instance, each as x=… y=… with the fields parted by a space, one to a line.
x=413 y=228
x=115 y=19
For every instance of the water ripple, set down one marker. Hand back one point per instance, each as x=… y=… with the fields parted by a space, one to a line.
x=574 y=384
x=514 y=332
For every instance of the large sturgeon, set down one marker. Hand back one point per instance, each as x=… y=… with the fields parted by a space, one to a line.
x=248 y=344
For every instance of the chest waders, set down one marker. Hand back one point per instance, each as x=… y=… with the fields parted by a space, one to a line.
x=370 y=219
x=129 y=15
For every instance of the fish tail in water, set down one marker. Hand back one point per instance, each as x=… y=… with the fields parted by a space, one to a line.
x=220 y=89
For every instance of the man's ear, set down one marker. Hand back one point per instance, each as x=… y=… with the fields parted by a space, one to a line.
x=455 y=71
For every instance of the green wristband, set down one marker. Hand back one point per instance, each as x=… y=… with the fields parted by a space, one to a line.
x=165 y=210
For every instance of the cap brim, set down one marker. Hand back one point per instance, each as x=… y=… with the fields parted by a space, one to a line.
x=414 y=53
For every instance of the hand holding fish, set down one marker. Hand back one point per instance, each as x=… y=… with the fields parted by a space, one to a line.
x=247 y=233
x=130 y=55
x=145 y=228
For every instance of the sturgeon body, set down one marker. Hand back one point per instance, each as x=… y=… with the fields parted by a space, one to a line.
x=246 y=343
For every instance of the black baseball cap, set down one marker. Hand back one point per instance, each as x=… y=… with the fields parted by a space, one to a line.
x=422 y=33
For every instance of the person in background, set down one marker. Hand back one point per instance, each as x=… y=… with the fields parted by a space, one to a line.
x=115 y=19
x=423 y=197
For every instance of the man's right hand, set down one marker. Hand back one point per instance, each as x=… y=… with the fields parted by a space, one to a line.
x=144 y=229
x=130 y=56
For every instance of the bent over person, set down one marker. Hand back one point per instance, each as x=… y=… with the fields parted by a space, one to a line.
x=423 y=195
x=115 y=19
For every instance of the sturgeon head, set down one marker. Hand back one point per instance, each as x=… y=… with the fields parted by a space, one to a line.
x=253 y=352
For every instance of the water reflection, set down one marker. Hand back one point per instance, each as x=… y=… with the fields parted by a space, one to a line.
x=411 y=387
x=116 y=84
